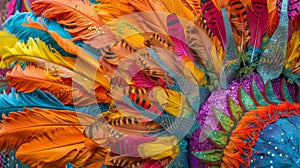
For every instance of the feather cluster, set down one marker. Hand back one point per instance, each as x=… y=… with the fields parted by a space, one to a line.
x=120 y=83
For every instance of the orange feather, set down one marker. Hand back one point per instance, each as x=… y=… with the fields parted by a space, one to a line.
x=19 y=128
x=78 y=15
x=32 y=78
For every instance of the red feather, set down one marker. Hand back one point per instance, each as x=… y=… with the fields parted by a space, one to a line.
x=258 y=20
x=214 y=21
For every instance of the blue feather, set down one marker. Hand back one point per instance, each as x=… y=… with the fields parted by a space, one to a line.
x=17 y=101
x=14 y=26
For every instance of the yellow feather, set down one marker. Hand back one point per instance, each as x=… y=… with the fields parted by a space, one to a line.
x=190 y=70
x=179 y=8
x=293 y=51
x=35 y=49
x=127 y=31
x=161 y=148
x=172 y=101
x=7 y=40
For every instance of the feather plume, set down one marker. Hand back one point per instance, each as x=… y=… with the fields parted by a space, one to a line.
x=293 y=8
x=7 y=40
x=177 y=35
x=205 y=50
x=173 y=102
x=220 y=3
x=193 y=5
x=14 y=25
x=62 y=147
x=18 y=101
x=161 y=148
x=35 y=48
x=258 y=21
x=293 y=52
x=79 y=17
x=63 y=89
x=214 y=20
x=109 y=10
x=238 y=19
x=36 y=122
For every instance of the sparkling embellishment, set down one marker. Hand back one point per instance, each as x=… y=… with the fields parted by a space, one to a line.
x=280 y=154
x=276 y=147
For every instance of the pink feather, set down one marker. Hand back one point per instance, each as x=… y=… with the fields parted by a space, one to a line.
x=177 y=35
x=214 y=21
x=142 y=80
x=11 y=7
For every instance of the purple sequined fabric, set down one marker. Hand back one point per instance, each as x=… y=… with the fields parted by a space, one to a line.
x=217 y=99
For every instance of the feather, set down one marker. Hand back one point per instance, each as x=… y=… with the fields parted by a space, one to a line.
x=17 y=101
x=161 y=148
x=220 y=3
x=7 y=40
x=294 y=25
x=127 y=161
x=36 y=122
x=34 y=49
x=63 y=89
x=142 y=80
x=62 y=147
x=293 y=51
x=172 y=6
x=214 y=20
x=258 y=21
x=134 y=124
x=238 y=19
x=293 y=8
x=109 y=10
x=157 y=40
x=130 y=144
x=176 y=31
x=274 y=21
x=173 y=102
x=11 y=7
x=79 y=17
x=14 y=25
x=193 y=5
x=204 y=48
x=147 y=10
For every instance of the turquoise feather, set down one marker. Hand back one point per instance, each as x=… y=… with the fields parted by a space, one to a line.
x=14 y=26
